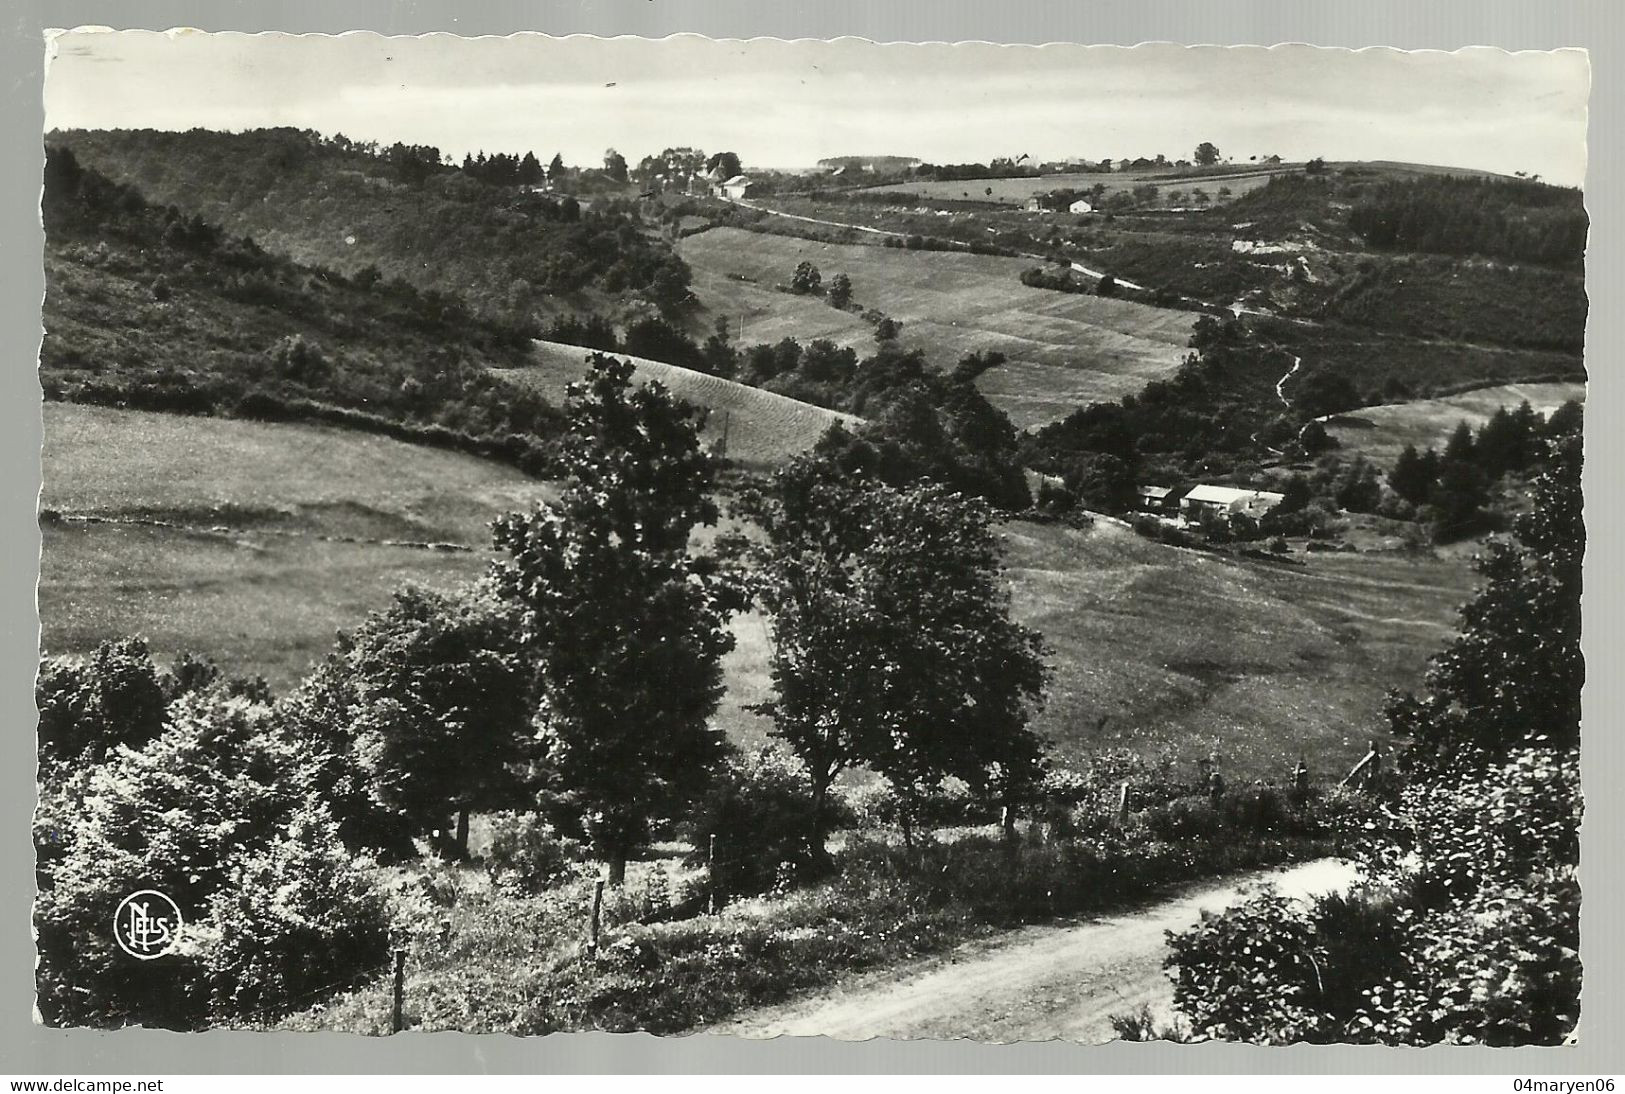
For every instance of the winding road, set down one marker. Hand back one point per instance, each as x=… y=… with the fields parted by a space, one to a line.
x=1037 y=983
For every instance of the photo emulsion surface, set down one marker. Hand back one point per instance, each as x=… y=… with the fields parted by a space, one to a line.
x=759 y=537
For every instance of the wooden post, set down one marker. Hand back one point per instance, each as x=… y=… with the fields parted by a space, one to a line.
x=597 y=908
x=711 y=876
x=398 y=1017
x=1122 y=806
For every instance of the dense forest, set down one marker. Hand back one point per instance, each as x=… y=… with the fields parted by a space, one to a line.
x=1515 y=220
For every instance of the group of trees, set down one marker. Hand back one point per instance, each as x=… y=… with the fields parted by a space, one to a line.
x=1519 y=221
x=1467 y=927
x=500 y=169
x=1217 y=410
x=808 y=280
x=578 y=682
x=1458 y=482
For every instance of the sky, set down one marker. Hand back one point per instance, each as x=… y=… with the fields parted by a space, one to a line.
x=788 y=104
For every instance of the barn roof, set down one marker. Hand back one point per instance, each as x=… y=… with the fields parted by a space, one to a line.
x=1229 y=495
x=738 y=180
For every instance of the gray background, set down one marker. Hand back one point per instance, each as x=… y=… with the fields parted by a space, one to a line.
x=26 y=1048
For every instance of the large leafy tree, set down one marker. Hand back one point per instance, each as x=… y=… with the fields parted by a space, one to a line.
x=433 y=695
x=626 y=624
x=1514 y=674
x=893 y=645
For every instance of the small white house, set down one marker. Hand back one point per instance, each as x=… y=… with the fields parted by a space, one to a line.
x=1034 y=205
x=1080 y=206
x=736 y=187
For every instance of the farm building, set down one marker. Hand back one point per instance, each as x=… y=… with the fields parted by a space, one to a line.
x=1080 y=206
x=735 y=188
x=1200 y=501
x=1034 y=205
x=1159 y=499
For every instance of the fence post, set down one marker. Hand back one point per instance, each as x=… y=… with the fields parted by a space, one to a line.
x=398 y=1016
x=711 y=876
x=1122 y=806
x=597 y=907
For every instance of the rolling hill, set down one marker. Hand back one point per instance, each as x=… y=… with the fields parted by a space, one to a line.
x=1063 y=349
x=251 y=542
x=346 y=206
x=1380 y=433
x=762 y=428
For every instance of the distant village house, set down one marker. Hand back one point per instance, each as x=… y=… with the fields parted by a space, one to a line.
x=735 y=188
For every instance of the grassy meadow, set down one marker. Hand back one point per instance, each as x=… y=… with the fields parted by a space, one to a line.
x=1238 y=181
x=763 y=428
x=1157 y=647
x=1064 y=350
x=247 y=541
x=1380 y=433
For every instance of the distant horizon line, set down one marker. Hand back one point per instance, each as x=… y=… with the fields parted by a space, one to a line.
x=790 y=168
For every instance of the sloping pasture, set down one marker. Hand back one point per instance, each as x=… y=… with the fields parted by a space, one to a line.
x=1064 y=349
x=762 y=428
x=1380 y=433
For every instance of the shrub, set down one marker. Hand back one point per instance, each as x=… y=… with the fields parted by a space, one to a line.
x=528 y=854
x=806 y=279
x=1187 y=818
x=87 y=707
x=217 y=814
x=840 y=290
x=293 y=921
x=759 y=812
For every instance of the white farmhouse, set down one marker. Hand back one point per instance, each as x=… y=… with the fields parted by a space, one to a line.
x=1080 y=206
x=1200 y=501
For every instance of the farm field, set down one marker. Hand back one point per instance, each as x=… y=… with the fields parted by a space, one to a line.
x=249 y=542
x=1064 y=350
x=1156 y=647
x=763 y=428
x=1016 y=191
x=1380 y=433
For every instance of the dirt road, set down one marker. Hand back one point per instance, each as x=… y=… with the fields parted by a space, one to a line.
x=1037 y=983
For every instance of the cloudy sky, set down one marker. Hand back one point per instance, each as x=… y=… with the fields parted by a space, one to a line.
x=787 y=104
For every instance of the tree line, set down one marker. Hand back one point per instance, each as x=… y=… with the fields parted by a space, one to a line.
x=920 y=421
